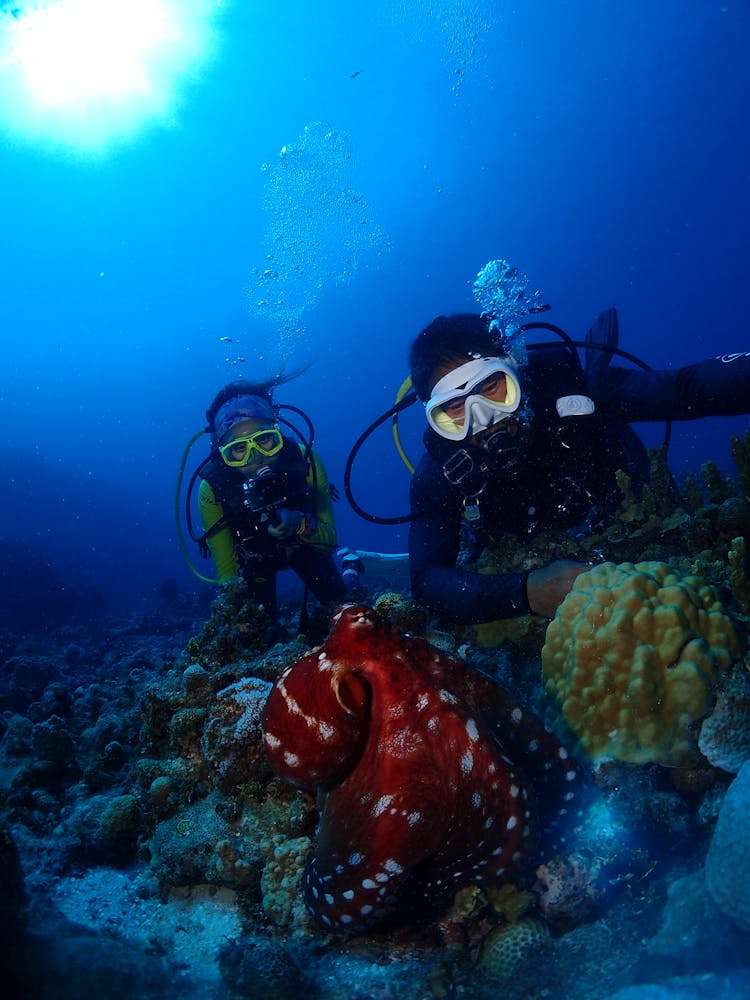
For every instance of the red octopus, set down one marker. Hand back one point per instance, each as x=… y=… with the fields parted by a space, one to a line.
x=410 y=751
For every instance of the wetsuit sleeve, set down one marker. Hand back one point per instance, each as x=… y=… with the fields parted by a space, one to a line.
x=220 y=543
x=718 y=387
x=323 y=535
x=434 y=542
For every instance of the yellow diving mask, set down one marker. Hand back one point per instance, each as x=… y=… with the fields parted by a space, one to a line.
x=239 y=451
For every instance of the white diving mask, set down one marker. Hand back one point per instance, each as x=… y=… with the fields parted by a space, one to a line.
x=472 y=397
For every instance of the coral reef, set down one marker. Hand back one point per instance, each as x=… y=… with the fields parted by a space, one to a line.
x=739 y=577
x=724 y=738
x=733 y=518
x=728 y=858
x=255 y=966
x=147 y=850
x=568 y=891
x=633 y=658
x=688 y=911
x=404 y=614
x=207 y=789
x=237 y=628
x=13 y=897
x=231 y=736
x=741 y=456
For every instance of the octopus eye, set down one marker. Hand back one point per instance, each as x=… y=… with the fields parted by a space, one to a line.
x=352 y=692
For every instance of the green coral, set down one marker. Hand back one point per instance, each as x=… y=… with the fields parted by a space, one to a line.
x=739 y=579
x=741 y=455
x=719 y=486
x=691 y=495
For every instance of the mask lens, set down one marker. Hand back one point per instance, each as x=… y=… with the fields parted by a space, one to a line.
x=267 y=442
x=493 y=388
x=236 y=452
x=450 y=417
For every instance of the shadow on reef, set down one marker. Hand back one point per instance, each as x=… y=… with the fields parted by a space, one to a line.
x=137 y=798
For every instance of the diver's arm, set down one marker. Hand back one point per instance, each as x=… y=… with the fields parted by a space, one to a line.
x=717 y=387
x=220 y=543
x=434 y=540
x=323 y=534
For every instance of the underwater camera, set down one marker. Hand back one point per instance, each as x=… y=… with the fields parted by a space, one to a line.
x=264 y=493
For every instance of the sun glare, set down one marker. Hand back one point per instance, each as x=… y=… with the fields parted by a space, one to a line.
x=89 y=73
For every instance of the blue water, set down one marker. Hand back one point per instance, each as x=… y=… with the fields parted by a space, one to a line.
x=602 y=148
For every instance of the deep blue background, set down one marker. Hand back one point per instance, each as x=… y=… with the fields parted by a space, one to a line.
x=601 y=147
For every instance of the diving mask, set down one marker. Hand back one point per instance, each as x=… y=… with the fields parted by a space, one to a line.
x=473 y=397
x=265 y=442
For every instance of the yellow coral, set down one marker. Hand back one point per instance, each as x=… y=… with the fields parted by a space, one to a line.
x=633 y=657
x=510 y=902
x=280 y=881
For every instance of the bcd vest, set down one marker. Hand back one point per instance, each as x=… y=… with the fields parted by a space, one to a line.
x=560 y=464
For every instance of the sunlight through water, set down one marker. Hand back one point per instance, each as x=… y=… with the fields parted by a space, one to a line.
x=87 y=74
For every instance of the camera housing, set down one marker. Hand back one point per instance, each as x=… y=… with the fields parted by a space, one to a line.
x=265 y=492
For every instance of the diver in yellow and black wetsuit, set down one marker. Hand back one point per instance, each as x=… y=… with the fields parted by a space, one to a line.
x=265 y=502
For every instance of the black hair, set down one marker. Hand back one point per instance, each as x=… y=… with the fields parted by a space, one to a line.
x=445 y=339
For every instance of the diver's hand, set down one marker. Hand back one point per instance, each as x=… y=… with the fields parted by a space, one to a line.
x=284 y=524
x=547 y=588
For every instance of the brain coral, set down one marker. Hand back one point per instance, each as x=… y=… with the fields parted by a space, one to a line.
x=506 y=947
x=632 y=658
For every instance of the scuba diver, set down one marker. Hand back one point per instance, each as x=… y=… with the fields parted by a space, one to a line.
x=524 y=440
x=265 y=503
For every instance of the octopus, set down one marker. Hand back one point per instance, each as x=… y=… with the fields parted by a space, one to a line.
x=430 y=775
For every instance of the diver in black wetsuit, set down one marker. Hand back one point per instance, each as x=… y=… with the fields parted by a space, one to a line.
x=521 y=447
